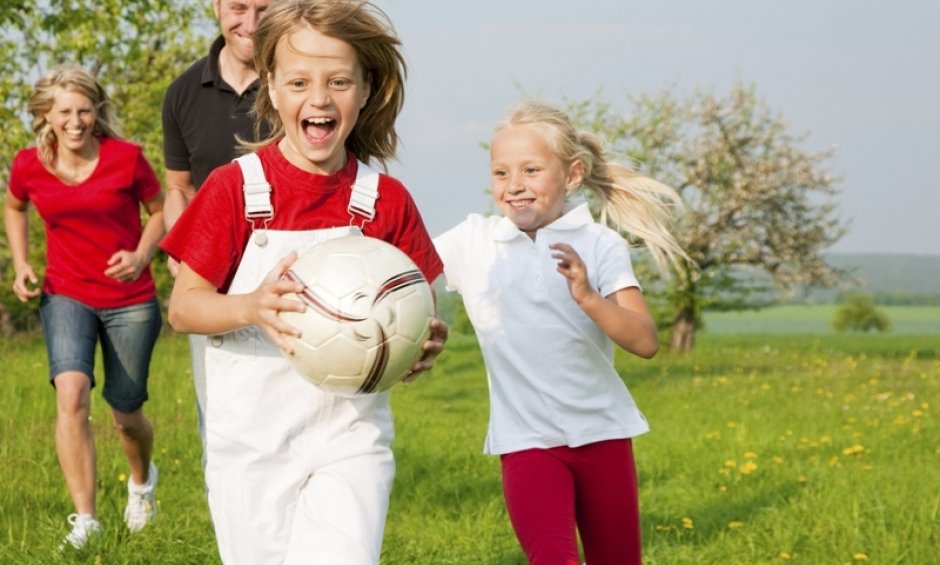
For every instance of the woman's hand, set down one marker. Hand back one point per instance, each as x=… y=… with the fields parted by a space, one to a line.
x=22 y=281
x=125 y=266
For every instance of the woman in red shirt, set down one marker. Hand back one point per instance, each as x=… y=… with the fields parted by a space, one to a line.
x=88 y=186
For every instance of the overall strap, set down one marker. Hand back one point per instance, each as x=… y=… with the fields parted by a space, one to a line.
x=256 y=188
x=365 y=191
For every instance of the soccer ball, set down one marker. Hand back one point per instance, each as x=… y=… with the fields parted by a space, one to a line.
x=367 y=315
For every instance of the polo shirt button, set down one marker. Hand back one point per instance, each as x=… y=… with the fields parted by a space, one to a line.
x=216 y=341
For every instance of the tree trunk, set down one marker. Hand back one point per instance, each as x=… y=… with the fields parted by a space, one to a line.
x=683 y=332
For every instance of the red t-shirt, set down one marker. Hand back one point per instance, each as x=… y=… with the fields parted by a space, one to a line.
x=212 y=232
x=89 y=222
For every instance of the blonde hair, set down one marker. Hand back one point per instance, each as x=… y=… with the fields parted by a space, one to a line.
x=631 y=202
x=368 y=30
x=73 y=79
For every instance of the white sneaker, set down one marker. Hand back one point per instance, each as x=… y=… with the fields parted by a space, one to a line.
x=141 y=503
x=84 y=526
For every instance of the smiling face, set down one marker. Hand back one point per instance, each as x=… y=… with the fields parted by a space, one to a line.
x=530 y=182
x=318 y=89
x=72 y=117
x=238 y=20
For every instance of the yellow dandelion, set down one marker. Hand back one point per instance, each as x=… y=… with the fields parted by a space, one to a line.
x=687 y=523
x=784 y=556
x=176 y=461
x=825 y=439
x=802 y=479
x=777 y=460
x=723 y=488
x=859 y=556
x=853 y=450
x=917 y=413
x=735 y=525
x=748 y=468
x=750 y=455
x=730 y=463
x=122 y=477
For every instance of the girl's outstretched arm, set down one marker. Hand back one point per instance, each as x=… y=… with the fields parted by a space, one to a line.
x=623 y=315
x=197 y=307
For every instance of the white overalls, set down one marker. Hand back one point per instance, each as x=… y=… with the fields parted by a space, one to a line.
x=295 y=475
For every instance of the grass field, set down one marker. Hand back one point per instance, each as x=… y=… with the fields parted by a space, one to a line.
x=817 y=319
x=788 y=448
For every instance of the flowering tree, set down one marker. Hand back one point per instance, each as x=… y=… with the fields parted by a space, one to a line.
x=759 y=211
x=134 y=47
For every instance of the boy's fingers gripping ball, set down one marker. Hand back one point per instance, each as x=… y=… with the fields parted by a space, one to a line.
x=368 y=309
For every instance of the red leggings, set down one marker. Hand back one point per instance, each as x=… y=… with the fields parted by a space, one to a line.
x=551 y=492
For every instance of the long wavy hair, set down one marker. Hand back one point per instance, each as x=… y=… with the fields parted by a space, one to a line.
x=640 y=206
x=73 y=79
x=368 y=30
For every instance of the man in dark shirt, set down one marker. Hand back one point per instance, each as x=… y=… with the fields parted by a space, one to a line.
x=204 y=109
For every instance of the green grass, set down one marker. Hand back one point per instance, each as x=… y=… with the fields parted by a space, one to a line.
x=801 y=448
x=817 y=318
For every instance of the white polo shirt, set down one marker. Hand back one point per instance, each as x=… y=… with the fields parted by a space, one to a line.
x=549 y=367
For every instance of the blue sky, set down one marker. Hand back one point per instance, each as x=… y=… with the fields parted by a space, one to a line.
x=860 y=76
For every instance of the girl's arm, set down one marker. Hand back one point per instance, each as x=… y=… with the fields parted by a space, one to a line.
x=432 y=346
x=17 y=225
x=127 y=265
x=623 y=315
x=197 y=307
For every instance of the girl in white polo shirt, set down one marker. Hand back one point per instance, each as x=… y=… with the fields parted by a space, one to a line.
x=548 y=291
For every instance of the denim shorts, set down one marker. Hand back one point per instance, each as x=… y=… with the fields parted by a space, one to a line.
x=128 y=335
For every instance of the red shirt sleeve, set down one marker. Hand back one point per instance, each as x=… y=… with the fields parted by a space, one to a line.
x=211 y=234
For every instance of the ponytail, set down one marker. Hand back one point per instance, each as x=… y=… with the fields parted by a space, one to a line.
x=636 y=205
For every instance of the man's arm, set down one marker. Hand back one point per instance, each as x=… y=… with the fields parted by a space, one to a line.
x=179 y=193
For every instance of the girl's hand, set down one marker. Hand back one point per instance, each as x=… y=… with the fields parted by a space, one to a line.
x=432 y=348
x=268 y=300
x=125 y=266
x=574 y=270
x=25 y=277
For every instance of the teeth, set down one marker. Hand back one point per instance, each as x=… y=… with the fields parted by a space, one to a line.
x=320 y=121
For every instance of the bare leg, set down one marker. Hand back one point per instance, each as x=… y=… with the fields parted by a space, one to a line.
x=137 y=440
x=74 y=442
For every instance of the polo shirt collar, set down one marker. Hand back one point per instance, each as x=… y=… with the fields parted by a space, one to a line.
x=210 y=72
x=575 y=214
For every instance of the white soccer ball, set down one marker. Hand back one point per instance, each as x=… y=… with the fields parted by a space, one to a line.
x=368 y=309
